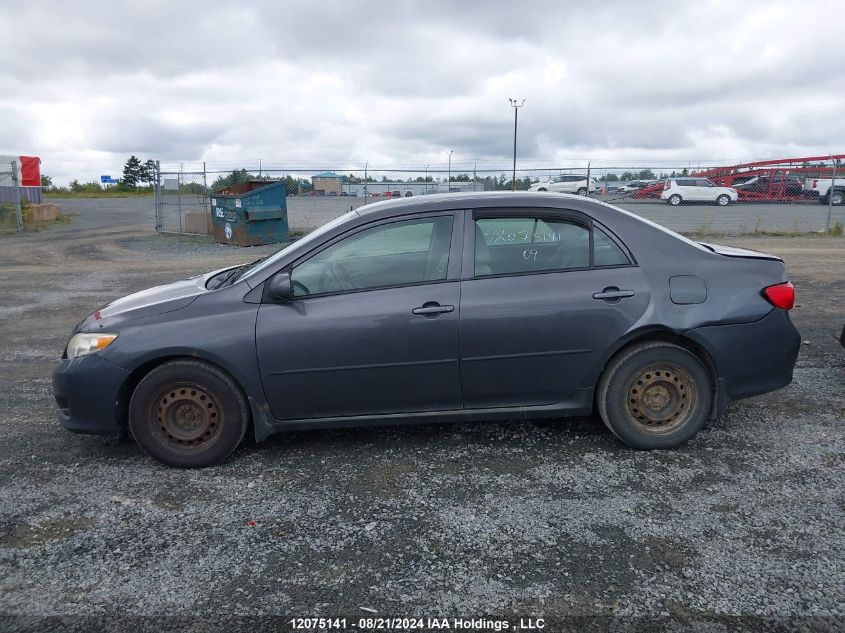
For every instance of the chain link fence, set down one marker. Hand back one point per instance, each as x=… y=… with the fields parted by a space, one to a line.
x=778 y=198
x=11 y=213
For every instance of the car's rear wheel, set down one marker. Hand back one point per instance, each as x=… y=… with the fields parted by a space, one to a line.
x=188 y=413
x=837 y=197
x=582 y=191
x=542 y=189
x=723 y=200
x=674 y=200
x=655 y=395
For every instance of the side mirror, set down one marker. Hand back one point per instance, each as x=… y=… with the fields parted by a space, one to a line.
x=281 y=287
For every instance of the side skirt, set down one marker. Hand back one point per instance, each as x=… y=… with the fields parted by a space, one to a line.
x=580 y=404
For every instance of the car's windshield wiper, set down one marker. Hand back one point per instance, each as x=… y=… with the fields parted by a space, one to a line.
x=236 y=273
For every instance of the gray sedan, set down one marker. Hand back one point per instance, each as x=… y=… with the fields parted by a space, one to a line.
x=439 y=308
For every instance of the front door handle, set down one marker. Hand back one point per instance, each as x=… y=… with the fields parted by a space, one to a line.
x=432 y=308
x=613 y=294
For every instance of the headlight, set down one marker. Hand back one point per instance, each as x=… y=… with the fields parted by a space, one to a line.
x=87 y=343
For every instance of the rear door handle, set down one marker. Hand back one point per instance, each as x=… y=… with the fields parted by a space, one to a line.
x=432 y=309
x=613 y=294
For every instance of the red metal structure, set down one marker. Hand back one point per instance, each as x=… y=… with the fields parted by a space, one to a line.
x=777 y=180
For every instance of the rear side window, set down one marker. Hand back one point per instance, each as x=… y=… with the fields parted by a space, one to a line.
x=533 y=244
x=685 y=183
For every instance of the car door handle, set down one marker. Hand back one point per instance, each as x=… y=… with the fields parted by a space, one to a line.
x=612 y=293
x=431 y=309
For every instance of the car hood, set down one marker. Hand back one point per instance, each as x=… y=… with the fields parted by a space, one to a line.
x=150 y=302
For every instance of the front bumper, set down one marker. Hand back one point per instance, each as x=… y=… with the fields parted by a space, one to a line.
x=87 y=391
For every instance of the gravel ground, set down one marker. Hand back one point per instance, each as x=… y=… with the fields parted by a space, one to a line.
x=742 y=528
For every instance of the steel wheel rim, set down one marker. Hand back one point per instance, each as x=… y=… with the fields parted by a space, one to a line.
x=186 y=417
x=836 y=198
x=660 y=399
x=723 y=201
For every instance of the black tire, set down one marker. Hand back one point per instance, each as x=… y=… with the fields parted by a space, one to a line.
x=838 y=198
x=188 y=413
x=675 y=200
x=582 y=191
x=723 y=200
x=542 y=189
x=655 y=395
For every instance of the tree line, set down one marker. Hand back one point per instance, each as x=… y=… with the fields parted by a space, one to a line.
x=137 y=176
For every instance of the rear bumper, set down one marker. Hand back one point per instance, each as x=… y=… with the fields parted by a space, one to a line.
x=87 y=390
x=752 y=358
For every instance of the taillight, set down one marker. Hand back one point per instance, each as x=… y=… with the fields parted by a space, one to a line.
x=666 y=186
x=781 y=295
x=815 y=182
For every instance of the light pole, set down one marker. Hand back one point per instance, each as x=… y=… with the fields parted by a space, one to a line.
x=426 y=178
x=449 y=178
x=516 y=106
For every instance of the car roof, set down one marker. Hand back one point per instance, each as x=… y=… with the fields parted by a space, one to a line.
x=442 y=201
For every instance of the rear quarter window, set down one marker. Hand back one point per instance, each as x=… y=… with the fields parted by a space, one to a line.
x=606 y=252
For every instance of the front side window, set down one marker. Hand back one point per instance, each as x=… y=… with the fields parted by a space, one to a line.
x=395 y=254
x=532 y=244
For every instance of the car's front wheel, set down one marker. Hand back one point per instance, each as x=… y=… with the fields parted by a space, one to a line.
x=655 y=395
x=723 y=200
x=188 y=413
x=674 y=200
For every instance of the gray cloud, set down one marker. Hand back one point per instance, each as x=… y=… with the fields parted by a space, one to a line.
x=400 y=83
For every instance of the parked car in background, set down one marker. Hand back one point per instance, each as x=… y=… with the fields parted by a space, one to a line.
x=573 y=183
x=409 y=193
x=689 y=189
x=487 y=306
x=789 y=185
x=825 y=189
x=635 y=185
x=397 y=194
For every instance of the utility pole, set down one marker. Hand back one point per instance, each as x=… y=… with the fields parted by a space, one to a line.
x=516 y=106
x=366 y=164
x=426 y=178
x=449 y=178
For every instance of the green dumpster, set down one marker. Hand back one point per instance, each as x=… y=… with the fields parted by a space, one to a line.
x=250 y=214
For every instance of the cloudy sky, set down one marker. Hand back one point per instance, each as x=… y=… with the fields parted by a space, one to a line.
x=333 y=84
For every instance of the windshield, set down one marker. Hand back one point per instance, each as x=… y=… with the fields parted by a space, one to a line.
x=312 y=236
